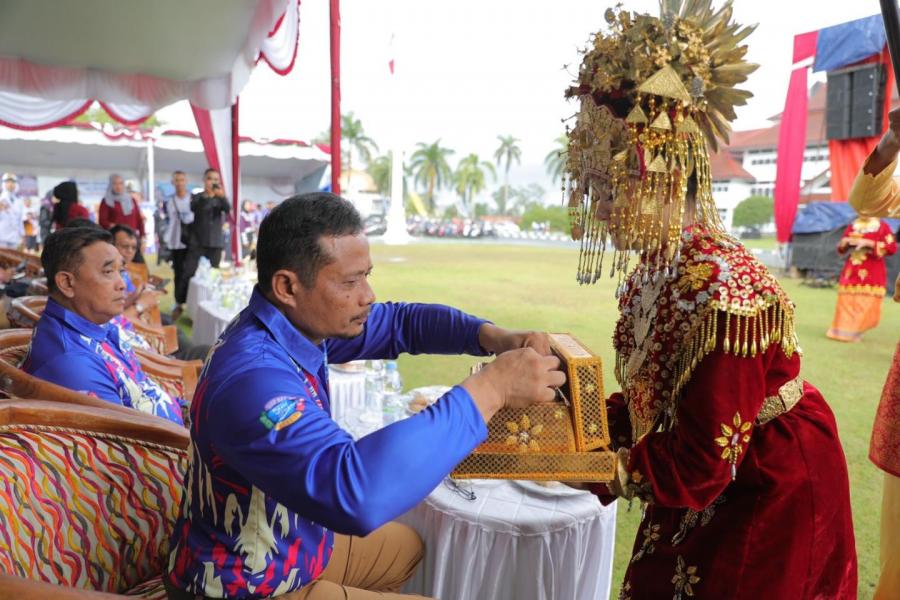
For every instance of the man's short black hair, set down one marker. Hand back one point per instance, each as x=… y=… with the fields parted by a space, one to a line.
x=289 y=235
x=83 y=222
x=62 y=250
x=123 y=229
x=210 y=170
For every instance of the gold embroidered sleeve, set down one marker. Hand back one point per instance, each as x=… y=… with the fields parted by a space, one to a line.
x=876 y=195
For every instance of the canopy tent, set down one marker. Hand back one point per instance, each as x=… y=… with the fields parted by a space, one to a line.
x=135 y=57
x=87 y=152
x=828 y=49
x=816 y=233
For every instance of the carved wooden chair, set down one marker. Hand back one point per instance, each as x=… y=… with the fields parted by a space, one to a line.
x=33 y=267
x=88 y=501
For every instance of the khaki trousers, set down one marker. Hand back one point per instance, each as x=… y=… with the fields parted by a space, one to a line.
x=374 y=567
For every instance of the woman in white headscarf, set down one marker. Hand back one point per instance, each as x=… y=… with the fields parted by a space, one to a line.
x=120 y=208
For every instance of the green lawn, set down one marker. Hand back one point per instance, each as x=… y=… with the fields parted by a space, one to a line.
x=764 y=243
x=533 y=287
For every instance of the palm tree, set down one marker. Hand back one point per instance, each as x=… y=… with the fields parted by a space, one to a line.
x=380 y=171
x=507 y=152
x=556 y=159
x=470 y=177
x=355 y=138
x=430 y=168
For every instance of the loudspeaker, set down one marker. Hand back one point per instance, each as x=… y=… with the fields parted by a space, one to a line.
x=867 y=113
x=855 y=102
x=837 y=105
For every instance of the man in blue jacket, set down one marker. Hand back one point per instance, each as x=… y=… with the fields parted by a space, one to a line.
x=278 y=497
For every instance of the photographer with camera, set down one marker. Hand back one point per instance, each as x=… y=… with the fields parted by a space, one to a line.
x=210 y=208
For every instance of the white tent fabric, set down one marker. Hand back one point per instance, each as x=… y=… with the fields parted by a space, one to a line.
x=209 y=52
x=28 y=112
x=135 y=57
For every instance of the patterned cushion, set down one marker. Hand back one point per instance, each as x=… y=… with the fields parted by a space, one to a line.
x=152 y=589
x=86 y=510
x=14 y=355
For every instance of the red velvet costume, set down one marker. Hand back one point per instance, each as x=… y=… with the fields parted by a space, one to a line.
x=737 y=459
x=865 y=271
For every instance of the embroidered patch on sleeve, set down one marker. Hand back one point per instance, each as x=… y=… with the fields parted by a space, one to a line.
x=280 y=412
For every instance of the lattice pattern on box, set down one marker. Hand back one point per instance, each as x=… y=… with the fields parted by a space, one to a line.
x=564 y=440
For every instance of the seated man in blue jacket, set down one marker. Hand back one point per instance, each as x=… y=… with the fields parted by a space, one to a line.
x=277 y=495
x=74 y=343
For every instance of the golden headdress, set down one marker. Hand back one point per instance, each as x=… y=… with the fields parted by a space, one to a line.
x=656 y=93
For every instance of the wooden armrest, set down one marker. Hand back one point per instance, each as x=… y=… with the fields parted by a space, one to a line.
x=17 y=588
x=164 y=339
x=189 y=369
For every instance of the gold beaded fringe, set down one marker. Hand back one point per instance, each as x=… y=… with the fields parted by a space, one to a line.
x=744 y=335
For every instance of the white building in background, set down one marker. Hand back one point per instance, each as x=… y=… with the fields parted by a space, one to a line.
x=747 y=166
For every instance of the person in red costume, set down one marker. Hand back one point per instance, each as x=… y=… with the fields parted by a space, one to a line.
x=861 y=286
x=734 y=457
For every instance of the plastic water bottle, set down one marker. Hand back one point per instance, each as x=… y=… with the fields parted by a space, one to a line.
x=370 y=416
x=393 y=405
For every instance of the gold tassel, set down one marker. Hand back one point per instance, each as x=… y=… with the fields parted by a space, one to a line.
x=726 y=346
x=753 y=347
x=745 y=349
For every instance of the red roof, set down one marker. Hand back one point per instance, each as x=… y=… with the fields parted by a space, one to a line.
x=767 y=137
x=725 y=168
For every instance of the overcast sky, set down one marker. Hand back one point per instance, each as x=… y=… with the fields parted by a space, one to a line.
x=469 y=70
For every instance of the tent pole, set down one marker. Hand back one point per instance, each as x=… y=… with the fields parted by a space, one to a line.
x=235 y=185
x=151 y=181
x=335 y=38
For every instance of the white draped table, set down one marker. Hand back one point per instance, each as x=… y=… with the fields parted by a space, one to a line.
x=199 y=290
x=516 y=541
x=210 y=321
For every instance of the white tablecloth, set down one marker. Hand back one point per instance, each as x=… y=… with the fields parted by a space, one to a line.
x=515 y=541
x=199 y=290
x=210 y=321
x=347 y=392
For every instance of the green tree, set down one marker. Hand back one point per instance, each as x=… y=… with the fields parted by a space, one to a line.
x=506 y=153
x=380 y=171
x=96 y=114
x=556 y=216
x=430 y=168
x=471 y=177
x=353 y=137
x=556 y=159
x=501 y=200
x=481 y=210
x=755 y=211
x=450 y=212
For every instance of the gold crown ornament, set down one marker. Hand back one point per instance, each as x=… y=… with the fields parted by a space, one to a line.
x=655 y=93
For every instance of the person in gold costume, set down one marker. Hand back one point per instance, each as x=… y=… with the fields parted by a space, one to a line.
x=876 y=193
x=735 y=458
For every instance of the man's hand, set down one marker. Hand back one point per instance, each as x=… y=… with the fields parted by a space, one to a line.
x=498 y=340
x=888 y=147
x=516 y=378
